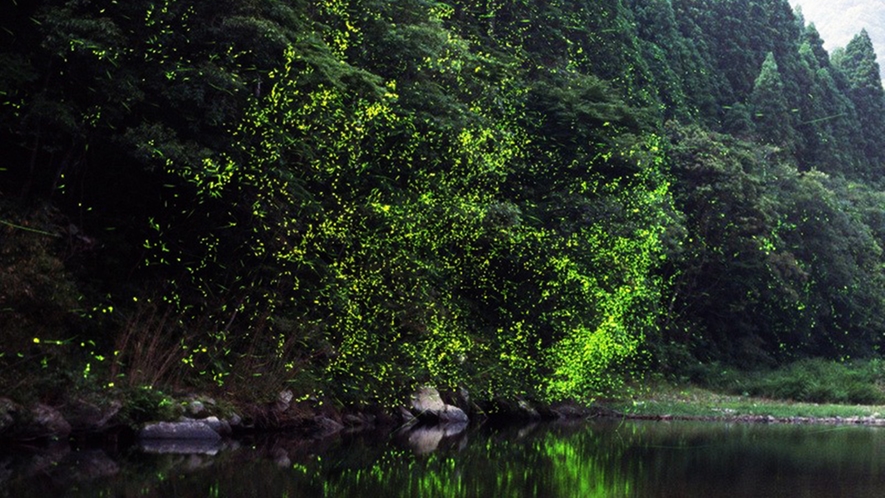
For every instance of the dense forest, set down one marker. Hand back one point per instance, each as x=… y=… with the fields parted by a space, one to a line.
x=350 y=198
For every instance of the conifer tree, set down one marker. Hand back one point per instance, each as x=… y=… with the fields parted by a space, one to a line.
x=858 y=63
x=770 y=108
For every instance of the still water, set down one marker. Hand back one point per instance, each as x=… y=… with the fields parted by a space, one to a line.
x=608 y=458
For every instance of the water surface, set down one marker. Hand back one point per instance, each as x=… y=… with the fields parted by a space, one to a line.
x=607 y=458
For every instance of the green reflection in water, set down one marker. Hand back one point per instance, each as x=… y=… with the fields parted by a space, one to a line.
x=595 y=459
x=541 y=462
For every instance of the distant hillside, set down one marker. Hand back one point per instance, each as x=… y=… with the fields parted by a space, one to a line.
x=839 y=20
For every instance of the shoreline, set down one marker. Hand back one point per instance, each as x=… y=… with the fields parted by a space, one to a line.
x=762 y=419
x=200 y=417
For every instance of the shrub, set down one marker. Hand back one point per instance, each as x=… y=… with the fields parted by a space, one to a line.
x=820 y=381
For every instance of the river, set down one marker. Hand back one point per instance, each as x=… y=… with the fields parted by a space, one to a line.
x=598 y=458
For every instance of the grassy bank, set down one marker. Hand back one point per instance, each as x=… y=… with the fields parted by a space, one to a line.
x=668 y=401
x=810 y=388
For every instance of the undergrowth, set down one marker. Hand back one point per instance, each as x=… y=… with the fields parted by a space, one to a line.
x=807 y=380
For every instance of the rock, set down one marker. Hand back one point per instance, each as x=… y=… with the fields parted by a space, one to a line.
x=428 y=406
x=39 y=422
x=427 y=399
x=463 y=402
x=45 y=422
x=407 y=416
x=196 y=408
x=528 y=411
x=568 y=411
x=9 y=412
x=284 y=400
x=188 y=429
x=222 y=427
x=235 y=420
x=453 y=415
x=86 y=416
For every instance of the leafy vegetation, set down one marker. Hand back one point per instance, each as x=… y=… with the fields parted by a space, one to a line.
x=352 y=198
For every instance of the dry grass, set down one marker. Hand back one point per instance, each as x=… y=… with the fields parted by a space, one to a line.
x=148 y=352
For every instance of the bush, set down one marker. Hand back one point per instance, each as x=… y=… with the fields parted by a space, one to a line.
x=820 y=381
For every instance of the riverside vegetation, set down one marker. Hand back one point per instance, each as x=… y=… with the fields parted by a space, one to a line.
x=349 y=199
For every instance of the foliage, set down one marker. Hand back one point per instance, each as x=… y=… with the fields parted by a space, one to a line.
x=808 y=380
x=821 y=381
x=354 y=198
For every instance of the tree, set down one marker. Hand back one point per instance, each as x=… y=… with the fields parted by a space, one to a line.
x=858 y=63
x=771 y=111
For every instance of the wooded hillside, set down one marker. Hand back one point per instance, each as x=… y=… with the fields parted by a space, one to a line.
x=351 y=198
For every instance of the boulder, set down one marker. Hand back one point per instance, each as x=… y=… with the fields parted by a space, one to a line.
x=196 y=408
x=526 y=410
x=428 y=406
x=46 y=421
x=222 y=427
x=86 y=416
x=39 y=422
x=283 y=401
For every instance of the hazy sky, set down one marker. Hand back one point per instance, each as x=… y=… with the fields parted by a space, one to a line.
x=839 y=20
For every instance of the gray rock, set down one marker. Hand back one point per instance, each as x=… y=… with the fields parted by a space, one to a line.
x=46 y=421
x=188 y=429
x=463 y=399
x=39 y=422
x=196 y=408
x=569 y=411
x=427 y=399
x=407 y=415
x=452 y=415
x=284 y=400
x=86 y=416
x=528 y=410
x=222 y=427
x=428 y=405
x=235 y=420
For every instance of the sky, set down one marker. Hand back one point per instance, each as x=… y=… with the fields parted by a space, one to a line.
x=839 y=20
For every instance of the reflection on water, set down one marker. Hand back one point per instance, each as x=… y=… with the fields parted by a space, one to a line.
x=610 y=458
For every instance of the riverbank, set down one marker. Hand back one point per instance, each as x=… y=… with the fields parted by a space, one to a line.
x=129 y=418
x=688 y=402
x=153 y=414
